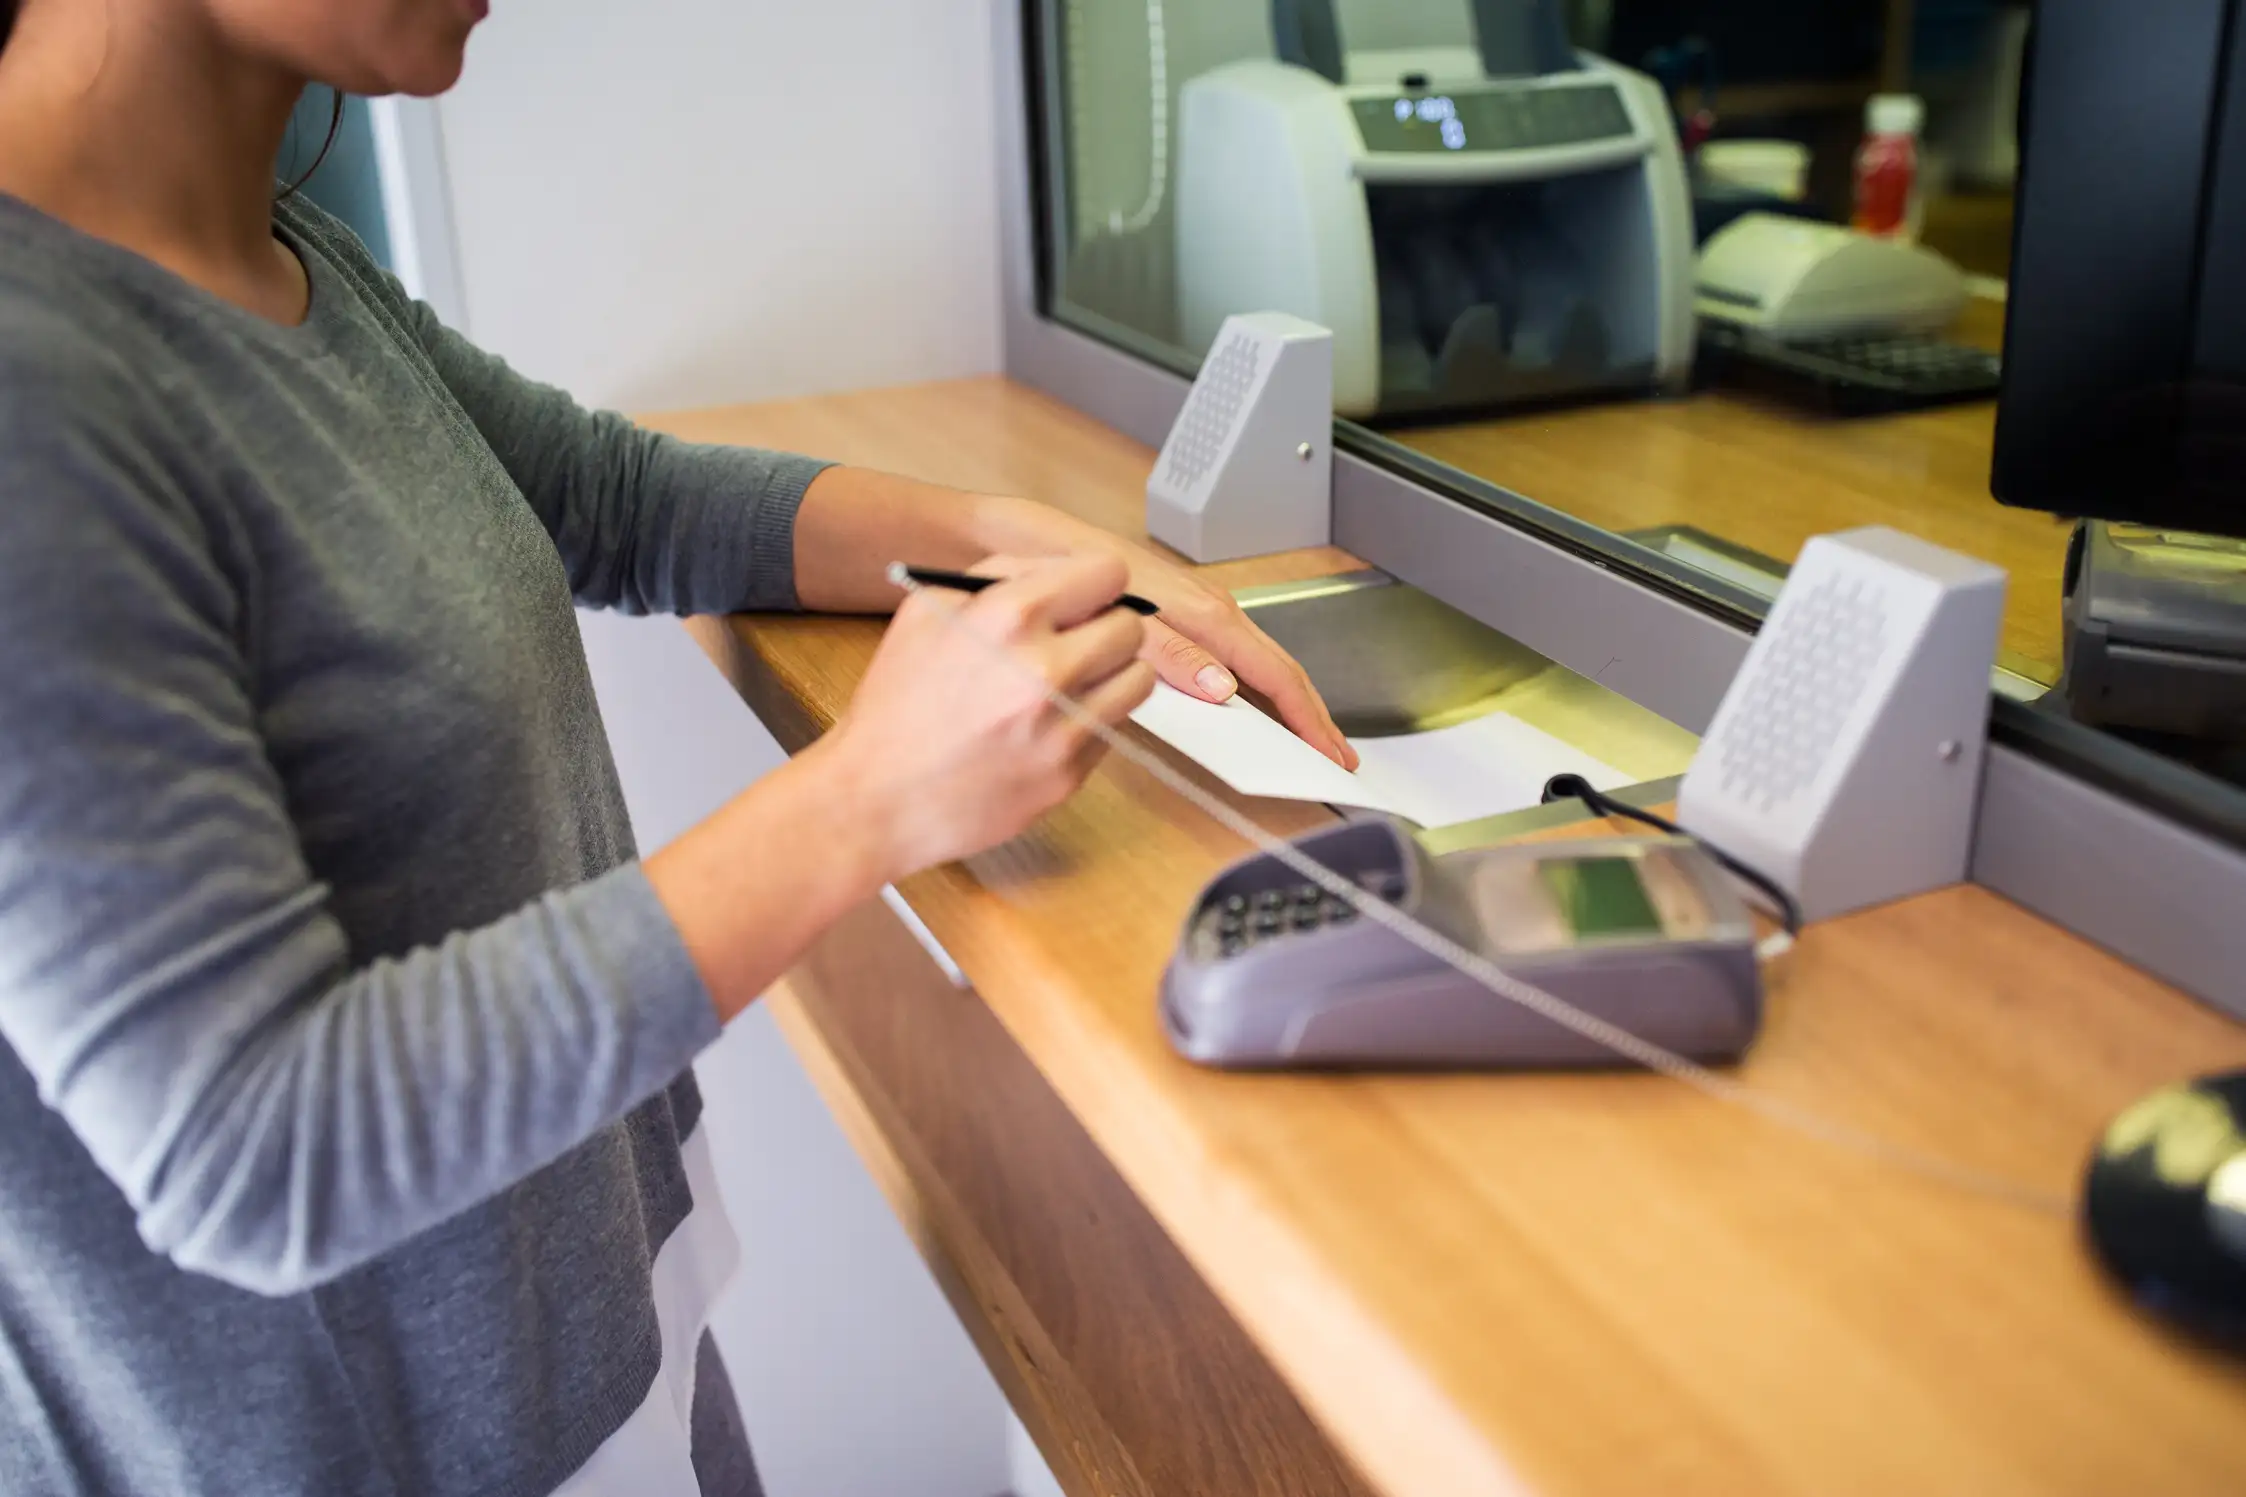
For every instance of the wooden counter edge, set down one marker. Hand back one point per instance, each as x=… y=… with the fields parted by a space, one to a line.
x=1041 y=1391
x=1129 y=1373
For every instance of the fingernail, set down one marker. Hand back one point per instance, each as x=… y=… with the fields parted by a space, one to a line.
x=1216 y=683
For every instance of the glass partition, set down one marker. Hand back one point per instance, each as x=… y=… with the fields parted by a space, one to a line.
x=1699 y=279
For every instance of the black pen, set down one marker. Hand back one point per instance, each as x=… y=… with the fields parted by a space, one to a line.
x=966 y=582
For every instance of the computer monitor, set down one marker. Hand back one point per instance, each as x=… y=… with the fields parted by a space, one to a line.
x=2124 y=393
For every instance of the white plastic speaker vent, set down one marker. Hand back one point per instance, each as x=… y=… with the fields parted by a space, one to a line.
x=1790 y=718
x=1211 y=411
x=1845 y=761
x=1248 y=468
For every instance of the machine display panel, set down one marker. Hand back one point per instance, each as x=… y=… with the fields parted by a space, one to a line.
x=1498 y=119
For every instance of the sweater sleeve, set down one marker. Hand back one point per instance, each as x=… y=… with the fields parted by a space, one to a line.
x=171 y=973
x=646 y=523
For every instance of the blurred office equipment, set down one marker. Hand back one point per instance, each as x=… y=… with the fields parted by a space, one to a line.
x=1791 y=278
x=1835 y=319
x=2124 y=401
x=2153 y=631
x=1849 y=374
x=1248 y=467
x=1483 y=217
x=1761 y=168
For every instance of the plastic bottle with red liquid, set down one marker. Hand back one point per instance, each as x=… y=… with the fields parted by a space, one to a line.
x=1887 y=185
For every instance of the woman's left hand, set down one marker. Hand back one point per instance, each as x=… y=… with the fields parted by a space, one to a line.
x=1203 y=643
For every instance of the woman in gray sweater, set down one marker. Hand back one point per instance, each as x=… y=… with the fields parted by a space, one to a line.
x=347 y=1140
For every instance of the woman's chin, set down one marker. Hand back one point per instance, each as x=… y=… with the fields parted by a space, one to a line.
x=422 y=64
x=426 y=78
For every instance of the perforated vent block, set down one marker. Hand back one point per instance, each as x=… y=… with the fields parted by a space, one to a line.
x=1791 y=715
x=1213 y=411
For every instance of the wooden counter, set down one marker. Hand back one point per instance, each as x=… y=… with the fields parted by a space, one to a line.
x=1768 y=477
x=1193 y=1282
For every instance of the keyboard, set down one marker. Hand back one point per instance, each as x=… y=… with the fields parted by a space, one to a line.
x=1851 y=376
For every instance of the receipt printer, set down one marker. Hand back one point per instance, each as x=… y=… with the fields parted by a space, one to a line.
x=1790 y=278
x=1480 y=214
x=2156 y=631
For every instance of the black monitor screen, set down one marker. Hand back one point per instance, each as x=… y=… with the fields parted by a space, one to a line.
x=2125 y=344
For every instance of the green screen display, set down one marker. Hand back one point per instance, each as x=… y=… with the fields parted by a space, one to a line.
x=1601 y=896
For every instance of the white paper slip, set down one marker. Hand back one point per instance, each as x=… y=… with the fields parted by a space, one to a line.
x=1485 y=767
x=1250 y=752
x=1493 y=764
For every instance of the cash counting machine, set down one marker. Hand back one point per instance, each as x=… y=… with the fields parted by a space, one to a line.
x=1488 y=218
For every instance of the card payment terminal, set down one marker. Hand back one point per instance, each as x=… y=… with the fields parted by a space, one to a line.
x=1646 y=933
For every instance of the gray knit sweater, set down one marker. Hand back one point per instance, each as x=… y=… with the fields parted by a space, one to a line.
x=344 y=1073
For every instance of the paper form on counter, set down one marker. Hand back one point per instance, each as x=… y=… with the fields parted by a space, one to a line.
x=1485 y=767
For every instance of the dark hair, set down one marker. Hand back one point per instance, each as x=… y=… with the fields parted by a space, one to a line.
x=335 y=128
x=7 y=19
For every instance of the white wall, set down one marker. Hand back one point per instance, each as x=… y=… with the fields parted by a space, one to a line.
x=669 y=203
x=664 y=203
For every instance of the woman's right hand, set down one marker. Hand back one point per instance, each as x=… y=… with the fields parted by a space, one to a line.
x=951 y=744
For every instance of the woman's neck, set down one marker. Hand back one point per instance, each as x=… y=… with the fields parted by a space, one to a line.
x=136 y=123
